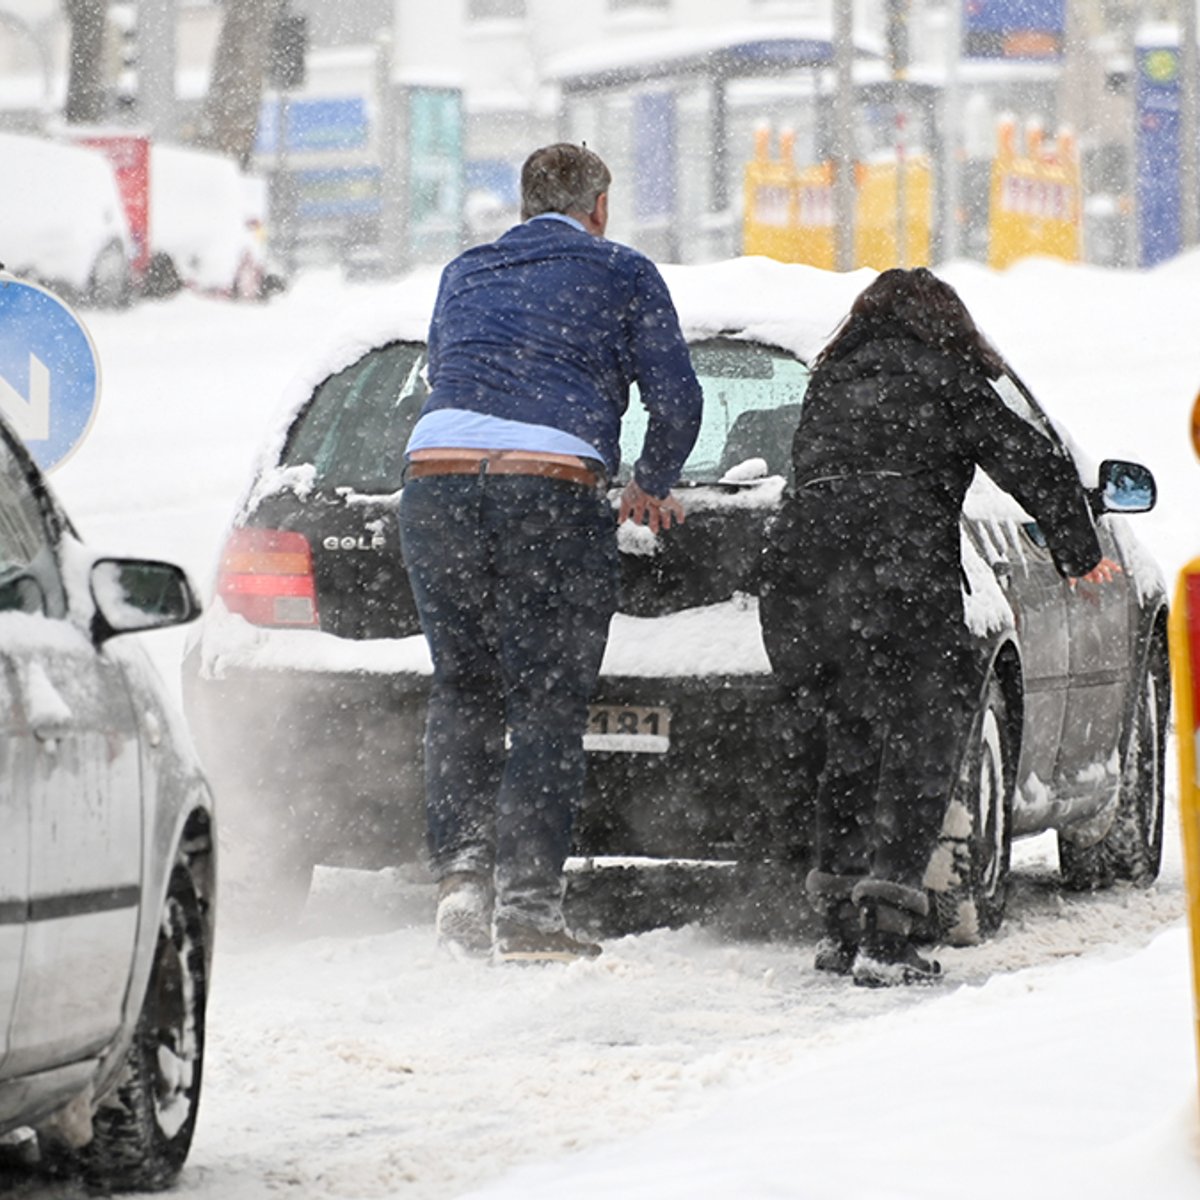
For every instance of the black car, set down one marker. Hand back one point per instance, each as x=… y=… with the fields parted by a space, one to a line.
x=107 y=860
x=306 y=686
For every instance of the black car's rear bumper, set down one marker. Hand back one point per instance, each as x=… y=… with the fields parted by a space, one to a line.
x=339 y=757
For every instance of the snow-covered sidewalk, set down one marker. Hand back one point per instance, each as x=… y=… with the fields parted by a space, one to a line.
x=1055 y=1081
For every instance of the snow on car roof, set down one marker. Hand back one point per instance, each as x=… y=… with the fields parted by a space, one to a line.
x=790 y=305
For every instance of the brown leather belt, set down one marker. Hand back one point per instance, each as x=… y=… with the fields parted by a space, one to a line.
x=503 y=464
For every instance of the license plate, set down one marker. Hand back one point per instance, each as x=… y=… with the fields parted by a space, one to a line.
x=628 y=729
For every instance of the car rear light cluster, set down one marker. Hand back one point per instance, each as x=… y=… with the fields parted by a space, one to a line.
x=266 y=576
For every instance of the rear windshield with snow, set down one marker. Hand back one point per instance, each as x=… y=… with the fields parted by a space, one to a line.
x=752 y=396
x=354 y=430
x=357 y=424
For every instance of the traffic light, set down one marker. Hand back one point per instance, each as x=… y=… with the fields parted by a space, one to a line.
x=285 y=57
x=123 y=17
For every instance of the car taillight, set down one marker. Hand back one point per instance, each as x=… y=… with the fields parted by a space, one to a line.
x=266 y=576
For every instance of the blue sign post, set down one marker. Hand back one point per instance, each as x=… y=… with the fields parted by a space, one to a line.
x=49 y=372
x=1160 y=230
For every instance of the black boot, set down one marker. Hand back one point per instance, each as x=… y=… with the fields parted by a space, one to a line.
x=839 y=944
x=830 y=896
x=887 y=956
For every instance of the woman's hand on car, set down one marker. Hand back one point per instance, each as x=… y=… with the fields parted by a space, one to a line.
x=642 y=508
x=1103 y=572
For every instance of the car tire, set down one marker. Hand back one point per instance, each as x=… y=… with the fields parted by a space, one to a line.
x=162 y=278
x=968 y=875
x=1131 y=850
x=110 y=285
x=143 y=1127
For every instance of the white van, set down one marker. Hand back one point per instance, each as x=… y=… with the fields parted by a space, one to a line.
x=62 y=223
x=206 y=220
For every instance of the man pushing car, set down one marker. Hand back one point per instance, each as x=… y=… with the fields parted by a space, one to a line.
x=509 y=538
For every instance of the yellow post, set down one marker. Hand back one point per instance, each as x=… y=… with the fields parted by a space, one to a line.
x=1185 y=666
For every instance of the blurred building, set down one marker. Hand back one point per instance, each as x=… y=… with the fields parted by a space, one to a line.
x=406 y=137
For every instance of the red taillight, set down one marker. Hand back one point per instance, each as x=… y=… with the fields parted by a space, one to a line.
x=266 y=576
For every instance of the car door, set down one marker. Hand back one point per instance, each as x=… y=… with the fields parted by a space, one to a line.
x=15 y=752
x=1018 y=555
x=83 y=794
x=1101 y=671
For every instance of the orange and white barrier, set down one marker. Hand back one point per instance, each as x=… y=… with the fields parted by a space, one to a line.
x=1185 y=666
x=1036 y=203
x=789 y=211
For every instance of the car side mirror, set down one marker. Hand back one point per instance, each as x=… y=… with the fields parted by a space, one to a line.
x=1124 y=487
x=132 y=595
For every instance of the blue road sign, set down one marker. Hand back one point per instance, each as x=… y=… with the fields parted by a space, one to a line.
x=49 y=372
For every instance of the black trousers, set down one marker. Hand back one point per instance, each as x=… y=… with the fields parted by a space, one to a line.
x=877 y=680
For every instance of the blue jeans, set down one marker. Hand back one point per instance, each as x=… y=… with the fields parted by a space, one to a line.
x=515 y=579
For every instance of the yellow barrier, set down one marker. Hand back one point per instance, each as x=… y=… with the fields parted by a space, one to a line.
x=770 y=196
x=788 y=213
x=813 y=238
x=875 y=224
x=1036 y=199
x=1185 y=667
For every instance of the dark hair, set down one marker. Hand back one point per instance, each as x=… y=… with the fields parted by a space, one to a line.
x=562 y=178
x=918 y=303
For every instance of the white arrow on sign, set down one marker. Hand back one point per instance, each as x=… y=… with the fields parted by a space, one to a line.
x=29 y=417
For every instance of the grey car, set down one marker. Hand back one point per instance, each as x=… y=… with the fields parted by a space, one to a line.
x=107 y=869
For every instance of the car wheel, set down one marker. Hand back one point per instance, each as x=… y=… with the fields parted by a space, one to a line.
x=1131 y=850
x=143 y=1127
x=109 y=285
x=968 y=874
x=162 y=277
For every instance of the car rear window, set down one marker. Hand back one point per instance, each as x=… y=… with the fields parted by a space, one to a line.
x=357 y=424
x=752 y=397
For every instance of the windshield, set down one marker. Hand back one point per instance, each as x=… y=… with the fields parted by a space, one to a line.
x=354 y=430
x=752 y=396
x=357 y=424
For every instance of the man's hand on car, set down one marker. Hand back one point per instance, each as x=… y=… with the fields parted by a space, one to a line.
x=642 y=508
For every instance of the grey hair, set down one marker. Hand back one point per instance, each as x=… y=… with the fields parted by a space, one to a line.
x=562 y=178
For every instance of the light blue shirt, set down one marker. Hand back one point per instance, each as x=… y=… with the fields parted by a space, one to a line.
x=462 y=429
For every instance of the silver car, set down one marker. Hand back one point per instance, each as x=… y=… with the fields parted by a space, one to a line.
x=107 y=867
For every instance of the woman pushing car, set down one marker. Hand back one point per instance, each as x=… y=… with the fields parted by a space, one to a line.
x=861 y=606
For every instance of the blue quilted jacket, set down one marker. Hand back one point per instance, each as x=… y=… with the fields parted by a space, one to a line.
x=550 y=325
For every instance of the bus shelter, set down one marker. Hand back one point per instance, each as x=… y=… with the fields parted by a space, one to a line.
x=674 y=115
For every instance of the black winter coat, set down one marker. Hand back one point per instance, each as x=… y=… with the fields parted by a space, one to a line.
x=861 y=600
x=886 y=448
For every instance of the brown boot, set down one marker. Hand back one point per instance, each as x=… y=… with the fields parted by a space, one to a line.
x=518 y=943
x=464 y=914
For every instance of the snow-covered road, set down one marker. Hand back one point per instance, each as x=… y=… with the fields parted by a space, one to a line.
x=352 y=1061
